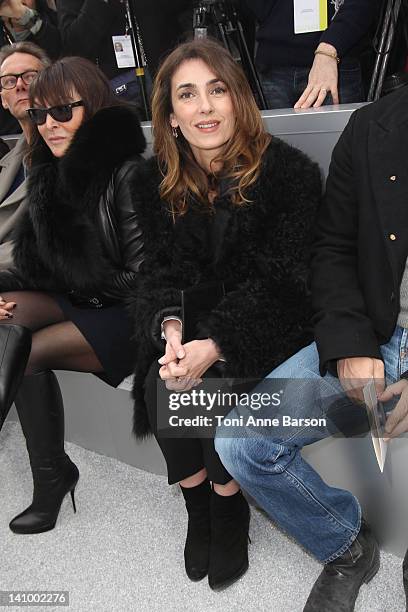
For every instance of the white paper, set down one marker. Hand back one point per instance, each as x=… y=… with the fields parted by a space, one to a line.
x=122 y=45
x=307 y=16
x=377 y=427
x=127 y=383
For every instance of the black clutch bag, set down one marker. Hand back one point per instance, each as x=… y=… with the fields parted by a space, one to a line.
x=196 y=303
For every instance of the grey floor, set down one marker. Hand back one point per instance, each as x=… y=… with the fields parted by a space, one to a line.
x=122 y=551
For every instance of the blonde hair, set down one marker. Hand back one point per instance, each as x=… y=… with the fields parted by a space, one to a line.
x=183 y=178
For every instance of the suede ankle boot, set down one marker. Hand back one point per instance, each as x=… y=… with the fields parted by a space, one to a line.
x=229 y=539
x=41 y=412
x=197 y=547
x=337 y=587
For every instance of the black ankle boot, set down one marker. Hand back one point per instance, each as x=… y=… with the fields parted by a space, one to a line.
x=337 y=587
x=15 y=347
x=405 y=577
x=197 y=548
x=41 y=412
x=229 y=539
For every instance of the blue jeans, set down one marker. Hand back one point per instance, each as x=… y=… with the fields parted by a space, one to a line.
x=283 y=87
x=268 y=462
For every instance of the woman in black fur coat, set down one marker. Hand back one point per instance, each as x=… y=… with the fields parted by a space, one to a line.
x=77 y=252
x=224 y=203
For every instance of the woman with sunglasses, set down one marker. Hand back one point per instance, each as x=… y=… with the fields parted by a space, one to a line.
x=77 y=254
x=230 y=211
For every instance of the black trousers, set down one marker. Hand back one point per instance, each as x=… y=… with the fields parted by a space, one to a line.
x=184 y=456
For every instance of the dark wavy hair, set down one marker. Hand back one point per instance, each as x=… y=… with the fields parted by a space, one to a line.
x=242 y=154
x=56 y=85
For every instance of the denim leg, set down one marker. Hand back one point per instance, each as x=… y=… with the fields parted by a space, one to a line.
x=268 y=464
x=278 y=88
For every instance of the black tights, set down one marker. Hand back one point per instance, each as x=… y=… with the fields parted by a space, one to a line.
x=57 y=344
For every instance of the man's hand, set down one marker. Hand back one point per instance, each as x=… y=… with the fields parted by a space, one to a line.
x=12 y=9
x=355 y=372
x=397 y=420
x=323 y=78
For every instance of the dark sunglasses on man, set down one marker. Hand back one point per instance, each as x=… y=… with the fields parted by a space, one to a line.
x=61 y=113
x=9 y=81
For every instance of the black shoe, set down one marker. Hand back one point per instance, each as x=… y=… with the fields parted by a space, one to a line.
x=337 y=587
x=197 y=548
x=229 y=539
x=41 y=412
x=15 y=347
x=51 y=483
x=405 y=577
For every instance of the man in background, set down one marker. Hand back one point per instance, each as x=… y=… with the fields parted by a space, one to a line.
x=19 y=66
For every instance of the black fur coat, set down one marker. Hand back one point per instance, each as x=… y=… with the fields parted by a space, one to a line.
x=261 y=249
x=79 y=231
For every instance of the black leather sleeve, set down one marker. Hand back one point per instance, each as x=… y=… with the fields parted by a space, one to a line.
x=129 y=233
x=12 y=280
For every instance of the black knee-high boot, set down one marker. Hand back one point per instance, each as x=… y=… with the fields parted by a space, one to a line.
x=197 y=548
x=15 y=347
x=41 y=412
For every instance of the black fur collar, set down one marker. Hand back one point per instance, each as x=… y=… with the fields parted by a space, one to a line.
x=101 y=144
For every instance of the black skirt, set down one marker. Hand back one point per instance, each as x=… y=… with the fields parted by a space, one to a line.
x=109 y=331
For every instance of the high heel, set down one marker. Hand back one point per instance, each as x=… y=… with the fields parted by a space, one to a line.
x=15 y=347
x=51 y=484
x=230 y=517
x=41 y=412
x=197 y=547
x=405 y=577
x=73 y=499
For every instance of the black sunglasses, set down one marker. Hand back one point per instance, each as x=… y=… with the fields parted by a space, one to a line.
x=61 y=113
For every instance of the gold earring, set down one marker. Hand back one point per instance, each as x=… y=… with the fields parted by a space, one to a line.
x=175 y=132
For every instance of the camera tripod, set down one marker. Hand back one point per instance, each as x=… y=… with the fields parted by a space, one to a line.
x=220 y=18
x=140 y=60
x=391 y=12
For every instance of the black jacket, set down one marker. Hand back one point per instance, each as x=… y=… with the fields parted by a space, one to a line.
x=8 y=125
x=261 y=252
x=80 y=231
x=278 y=45
x=362 y=234
x=87 y=27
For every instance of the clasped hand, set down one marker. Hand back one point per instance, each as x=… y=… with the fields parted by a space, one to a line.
x=184 y=365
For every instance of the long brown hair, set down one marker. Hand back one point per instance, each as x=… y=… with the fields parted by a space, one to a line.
x=242 y=154
x=55 y=85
